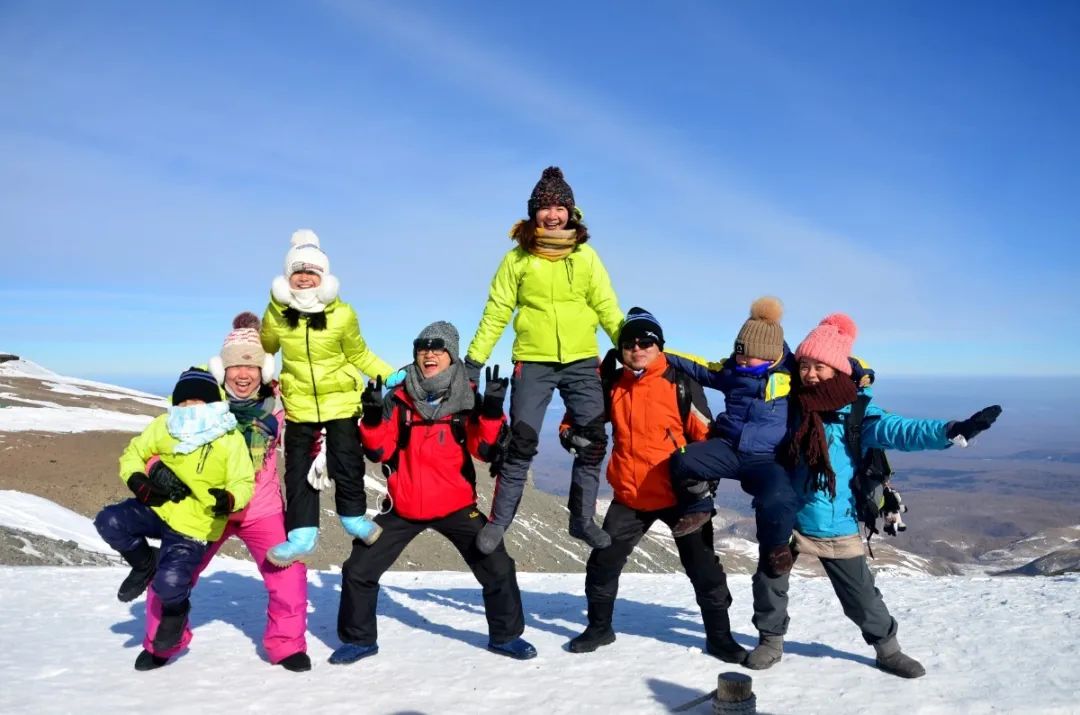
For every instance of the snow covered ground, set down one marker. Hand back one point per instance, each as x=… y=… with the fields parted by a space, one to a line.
x=989 y=645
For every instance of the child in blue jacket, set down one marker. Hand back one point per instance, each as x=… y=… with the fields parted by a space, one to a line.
x=743 y=441
x=826 y=525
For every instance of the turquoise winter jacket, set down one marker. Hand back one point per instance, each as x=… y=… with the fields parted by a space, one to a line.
x=823 y=517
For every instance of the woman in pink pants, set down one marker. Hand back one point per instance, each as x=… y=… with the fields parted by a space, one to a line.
x=245 y=370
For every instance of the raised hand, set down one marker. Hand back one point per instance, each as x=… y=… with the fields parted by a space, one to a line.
x=472 y=370
x=371 y=400
x=145 y=491
x=166 y=481
x=962 y=431
x=223 y=502
x=494 y=393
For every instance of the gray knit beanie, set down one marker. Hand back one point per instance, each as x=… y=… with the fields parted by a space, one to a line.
x=439 y=332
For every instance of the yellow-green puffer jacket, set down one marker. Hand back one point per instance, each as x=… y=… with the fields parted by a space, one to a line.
x=320 y=369
x=224 y=463
x=558 y=304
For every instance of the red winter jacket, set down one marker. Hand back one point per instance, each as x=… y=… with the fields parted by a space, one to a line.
x=428 y=482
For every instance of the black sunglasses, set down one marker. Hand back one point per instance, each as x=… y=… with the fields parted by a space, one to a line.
x=431 y=345
x=643 y=343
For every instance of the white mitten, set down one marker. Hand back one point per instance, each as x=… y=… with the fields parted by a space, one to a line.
x=318 y=476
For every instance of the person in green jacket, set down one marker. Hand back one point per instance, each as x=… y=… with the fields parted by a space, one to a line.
x=560 y=292
x=205 y=474
x=323 y=360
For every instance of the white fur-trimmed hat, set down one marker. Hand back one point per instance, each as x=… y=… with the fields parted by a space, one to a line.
x=306 y=254
x=243 y=347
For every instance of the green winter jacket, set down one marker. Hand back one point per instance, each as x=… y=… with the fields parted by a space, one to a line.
x=320 y=369
x=224 y=463
x=558 y=304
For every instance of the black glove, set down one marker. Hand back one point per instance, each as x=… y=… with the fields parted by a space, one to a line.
x=166 y=480
x=609 y=366
x=472 y=370
x=581 y=446
x=494 y=393
x=371 y=399
x=223 y=502
x=145 y=491
x=978 y=422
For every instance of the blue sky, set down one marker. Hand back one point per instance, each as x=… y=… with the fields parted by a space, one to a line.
x=913 y=164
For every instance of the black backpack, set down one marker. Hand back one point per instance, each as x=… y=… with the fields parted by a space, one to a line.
x=686 y=389
x=874 y=496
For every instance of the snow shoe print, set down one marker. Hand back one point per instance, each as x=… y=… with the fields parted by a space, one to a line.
x=591 y=639
x=143 y=567
x=296 y=663
x=361 y=527
x=690 y=523
x=518 y=649
x=352 y=652
x=301 y=542
x=148 y=661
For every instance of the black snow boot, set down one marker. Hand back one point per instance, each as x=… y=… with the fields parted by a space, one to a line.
x=143 y=562
x=598 y=632
x=297 y=663
x=724 y=647
x=892 y=660
x=149 y=661
x=171 y=627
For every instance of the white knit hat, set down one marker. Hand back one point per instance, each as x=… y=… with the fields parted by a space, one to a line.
x=305 y=254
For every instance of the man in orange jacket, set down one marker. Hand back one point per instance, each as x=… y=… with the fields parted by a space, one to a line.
x=654 y=410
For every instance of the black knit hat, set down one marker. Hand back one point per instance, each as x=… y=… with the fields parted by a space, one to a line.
x=551 y=190
x=640 y=323
x=196 y=384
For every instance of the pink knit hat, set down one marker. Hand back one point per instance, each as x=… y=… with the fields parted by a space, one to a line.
x=830 y=342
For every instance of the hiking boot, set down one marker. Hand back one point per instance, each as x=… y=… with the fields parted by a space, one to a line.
x=352 y=652
x=590 y=533
x=767 y=653
x=518 y=649
x=725 y=648
x=892 y=660
x=171 y=627
x=361 y=527
x=591 y=639
x=149 y=661
x=296 y=663
x=301 y=542
x=143 y=562
x=489 y=537
x=689 y=523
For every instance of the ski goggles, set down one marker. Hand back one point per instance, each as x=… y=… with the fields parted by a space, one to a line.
x=429 y=345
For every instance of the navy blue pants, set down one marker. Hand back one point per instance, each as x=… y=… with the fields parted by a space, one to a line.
x=759 y=475
x=126 y=526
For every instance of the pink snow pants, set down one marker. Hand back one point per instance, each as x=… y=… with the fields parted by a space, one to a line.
x=286 y=613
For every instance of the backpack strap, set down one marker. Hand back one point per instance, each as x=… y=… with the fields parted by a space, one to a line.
x=853 y=428
x=458 y=422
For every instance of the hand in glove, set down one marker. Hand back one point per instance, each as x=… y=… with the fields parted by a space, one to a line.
x=581 y=446
x=145 y=491
x=962 y=431
x=371 y=399
x=166 y=481
x=472 y=370
x=318 y=476
x=223 y=502
x=494 y=393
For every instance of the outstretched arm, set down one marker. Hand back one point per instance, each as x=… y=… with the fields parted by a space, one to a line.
x=709 y=374
x=500 y=306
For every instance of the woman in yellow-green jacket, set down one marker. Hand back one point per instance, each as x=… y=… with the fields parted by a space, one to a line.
x=560 y=292
x=204 y=474
x=323 y=360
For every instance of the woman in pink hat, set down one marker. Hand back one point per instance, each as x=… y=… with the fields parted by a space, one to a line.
x=826 y=525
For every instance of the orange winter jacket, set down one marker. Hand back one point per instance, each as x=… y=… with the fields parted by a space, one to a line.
x=646 y=428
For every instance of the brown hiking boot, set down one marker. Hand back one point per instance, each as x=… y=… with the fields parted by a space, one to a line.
x=689 y=523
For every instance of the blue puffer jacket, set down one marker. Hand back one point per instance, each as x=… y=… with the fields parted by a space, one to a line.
x=755 y=416
x=822 y=517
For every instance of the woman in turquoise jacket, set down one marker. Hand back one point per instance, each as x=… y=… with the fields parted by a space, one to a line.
x=826 y=525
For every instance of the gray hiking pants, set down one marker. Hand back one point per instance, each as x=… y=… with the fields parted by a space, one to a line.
x=853 y=584
x=531 y=387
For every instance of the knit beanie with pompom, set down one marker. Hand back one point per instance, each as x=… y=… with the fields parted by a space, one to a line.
x=830 y=342
x=243 y=347
x=761 y=335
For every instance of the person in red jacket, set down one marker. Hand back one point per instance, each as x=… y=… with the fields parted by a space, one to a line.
x=655 y=410
x=426 y=431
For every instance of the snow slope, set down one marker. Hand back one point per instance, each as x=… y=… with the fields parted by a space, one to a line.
x=989 y=645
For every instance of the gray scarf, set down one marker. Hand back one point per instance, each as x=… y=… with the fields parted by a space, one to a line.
x=439 y=395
